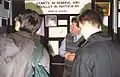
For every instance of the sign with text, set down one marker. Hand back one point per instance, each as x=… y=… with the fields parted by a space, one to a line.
x=57 y=6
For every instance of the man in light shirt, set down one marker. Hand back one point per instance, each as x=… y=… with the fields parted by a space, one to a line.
x=69 y=46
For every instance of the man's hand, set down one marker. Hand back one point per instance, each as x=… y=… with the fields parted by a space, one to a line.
x=69 y=56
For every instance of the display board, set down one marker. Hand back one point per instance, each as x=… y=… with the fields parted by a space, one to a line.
x=57 y=6
x=57 y=17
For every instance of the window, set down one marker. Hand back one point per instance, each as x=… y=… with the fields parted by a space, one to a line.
x=6 y=5
x=4 y=21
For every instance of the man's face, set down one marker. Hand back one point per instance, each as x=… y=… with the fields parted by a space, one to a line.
x=74 y=29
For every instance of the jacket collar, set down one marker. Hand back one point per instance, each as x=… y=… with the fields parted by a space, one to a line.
x=35 y=38
x=24 y=34
x=99 y=36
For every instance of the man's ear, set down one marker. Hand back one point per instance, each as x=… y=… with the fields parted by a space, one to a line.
x=17 y=25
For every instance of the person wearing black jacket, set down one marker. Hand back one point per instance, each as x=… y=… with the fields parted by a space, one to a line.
x=99 y=55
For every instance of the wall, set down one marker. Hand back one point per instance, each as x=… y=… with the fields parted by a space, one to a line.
x=5 y=11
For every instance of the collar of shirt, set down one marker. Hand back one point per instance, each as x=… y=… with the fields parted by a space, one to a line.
x=77 y=37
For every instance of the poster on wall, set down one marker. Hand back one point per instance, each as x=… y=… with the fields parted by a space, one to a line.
x=57 y=32
x=62 y=22
x=105 y=6
x=56 y=27
x=118 y=20
x=55 y=46
x=57 y=6
x=50 y=20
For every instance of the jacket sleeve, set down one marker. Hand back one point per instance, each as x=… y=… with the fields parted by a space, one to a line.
x=83 y=65
x=62 y=48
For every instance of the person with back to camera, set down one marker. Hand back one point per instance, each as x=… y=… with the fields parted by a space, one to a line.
x=99 y=55
x=21 y=64
x=69 y=46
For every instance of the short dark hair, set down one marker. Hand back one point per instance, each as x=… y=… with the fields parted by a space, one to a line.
x=75 y=19
x=30 y=21
x=91 y=16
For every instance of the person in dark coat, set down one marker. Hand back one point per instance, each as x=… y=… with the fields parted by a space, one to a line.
x=99 y=55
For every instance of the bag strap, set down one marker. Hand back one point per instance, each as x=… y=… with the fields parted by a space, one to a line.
x=38 y=53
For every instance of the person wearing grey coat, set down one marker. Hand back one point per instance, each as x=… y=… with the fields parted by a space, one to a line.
x=18 y=60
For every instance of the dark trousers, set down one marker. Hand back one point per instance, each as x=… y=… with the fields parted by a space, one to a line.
x=67 y=68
